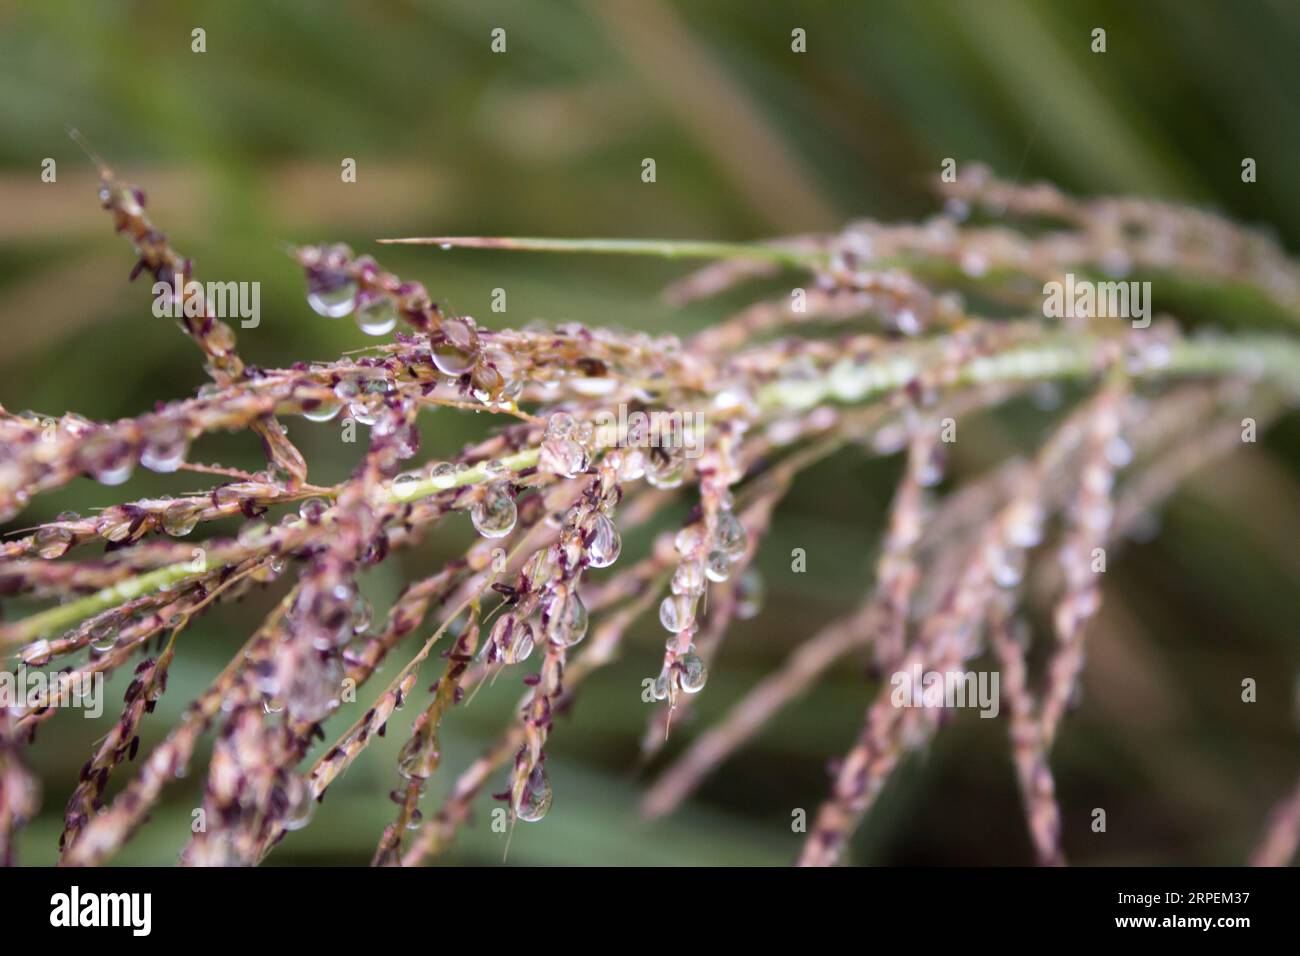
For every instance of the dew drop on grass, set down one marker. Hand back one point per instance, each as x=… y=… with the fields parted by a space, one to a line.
x=324 y=412
x=730 y=537
x=376 y=315
x=312 y=509
x=103 y=637
x=333 y=299
x=451 y=360
x=495 y=514
x=179 y=518
x=606 y=544
x=165 y=449
x=566 y=621
x=53 y=542
x=717 y=567
x=691 y=673
x=535 y=799
x=677 y=612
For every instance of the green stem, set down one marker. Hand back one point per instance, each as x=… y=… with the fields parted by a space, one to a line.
x=663 y=248
x=1063 y=357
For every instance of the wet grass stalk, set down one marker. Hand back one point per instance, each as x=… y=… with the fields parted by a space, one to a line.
x=891 y=353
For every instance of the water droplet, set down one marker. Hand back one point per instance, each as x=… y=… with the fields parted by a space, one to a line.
x=729 y=536
x=494 y=468
x=404 y=485
x=362 y=613
x=494 y=514
x=301 y=806
x=560 y=425
x=566 y=620
x=563 y=457
x=688 y=578
x=664 y=467
x=103 y=637
x=541 y=568
x=717 y=567
x=691 y=673
x=417 y=758
x=677 y=612
x=165 y=448
x=107 y=459
x=451 y=360
x=179 y=518
x=333 y=297
x=535 y=798
x=36 y=653
x=53 y=542
x=363 y=414
x=324 y=412
x=661 y=686
x=443 y=474
x=312 y=509
x=606 y=544
x=376 y=314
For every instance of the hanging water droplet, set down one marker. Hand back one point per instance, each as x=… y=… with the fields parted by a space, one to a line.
x=333 y=296
x=606 y=544
x=717 y=567
x=563 y=457
x=451 y=360
x=560 y=425
x=664 y=467
x=677 y=612
x=689 y=538
x=661 y=686
x=300 y=805
x=179 y=518
x=566 y=620
x=535 y=798
x=494 y=515
x=103 y=637
x=165 y=448
x=729 y=536
x=521 y=643
x=323 y=412
x=53 y=542
x=691 y=673
x=108 y=460
x=362 y=413
x=417 y=758
x=688 y=578
x=541 y=568
x=375 y=314
x=362 y=613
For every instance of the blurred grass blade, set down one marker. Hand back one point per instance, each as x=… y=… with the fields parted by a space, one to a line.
x=663 y=248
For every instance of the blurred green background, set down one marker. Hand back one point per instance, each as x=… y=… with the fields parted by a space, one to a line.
x=239 y=149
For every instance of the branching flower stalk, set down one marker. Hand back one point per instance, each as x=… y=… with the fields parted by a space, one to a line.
x=877 y=350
